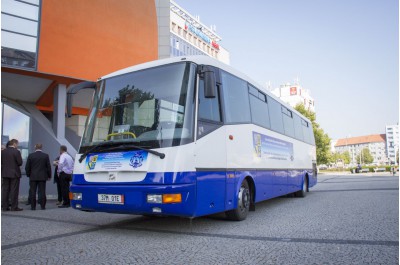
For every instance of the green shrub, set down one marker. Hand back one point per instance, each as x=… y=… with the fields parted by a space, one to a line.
x=371 y=168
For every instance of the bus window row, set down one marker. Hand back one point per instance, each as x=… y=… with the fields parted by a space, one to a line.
x=244 y=103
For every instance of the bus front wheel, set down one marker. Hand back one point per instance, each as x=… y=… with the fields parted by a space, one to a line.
x=243 y=205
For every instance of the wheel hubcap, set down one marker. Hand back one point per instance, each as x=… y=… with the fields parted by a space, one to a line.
x=244 y=198
x=305 y=185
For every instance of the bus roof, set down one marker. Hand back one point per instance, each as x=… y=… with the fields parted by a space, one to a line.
x=201 y=60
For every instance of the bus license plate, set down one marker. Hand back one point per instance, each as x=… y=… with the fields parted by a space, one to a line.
x=110 y=198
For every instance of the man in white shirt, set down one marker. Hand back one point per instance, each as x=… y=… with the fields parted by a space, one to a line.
x=65 y=167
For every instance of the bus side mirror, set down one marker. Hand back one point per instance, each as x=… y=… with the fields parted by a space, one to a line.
x=209 y=84
x=69 y=105
x=73 y=90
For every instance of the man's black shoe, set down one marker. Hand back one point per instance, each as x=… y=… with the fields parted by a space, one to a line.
x=33 y=209
x=5 y=209
x=64 y=206
x=16 y=209
x=43 y=208
x=28 y=203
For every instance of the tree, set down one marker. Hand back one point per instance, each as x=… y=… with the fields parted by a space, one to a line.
x=366 y=157
x=346 y=157
x=335 y=157
x=322 y=140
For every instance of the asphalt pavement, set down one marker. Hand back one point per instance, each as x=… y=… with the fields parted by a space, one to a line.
x=345 y=219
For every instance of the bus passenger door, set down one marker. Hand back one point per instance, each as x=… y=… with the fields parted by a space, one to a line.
x=210 y=154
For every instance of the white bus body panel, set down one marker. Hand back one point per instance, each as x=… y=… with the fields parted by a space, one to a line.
x=177 y=159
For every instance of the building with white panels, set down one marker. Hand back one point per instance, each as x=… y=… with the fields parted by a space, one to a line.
x=375 y=143
x=295 y=94
x=392 y=143
x=181 y=34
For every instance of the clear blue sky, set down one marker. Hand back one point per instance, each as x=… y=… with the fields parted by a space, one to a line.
x=346 y=52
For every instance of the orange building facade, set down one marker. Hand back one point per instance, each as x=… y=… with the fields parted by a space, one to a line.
x=91 y=38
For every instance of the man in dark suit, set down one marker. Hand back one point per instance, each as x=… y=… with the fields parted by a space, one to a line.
x=38 y=170
x=11 y=160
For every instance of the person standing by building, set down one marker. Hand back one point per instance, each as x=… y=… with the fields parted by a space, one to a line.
x=38 y=170
x=65 y=167
x=11 y=160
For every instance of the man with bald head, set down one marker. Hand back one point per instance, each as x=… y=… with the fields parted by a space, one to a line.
x=38 y=170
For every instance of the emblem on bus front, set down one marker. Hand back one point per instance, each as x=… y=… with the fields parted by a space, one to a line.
x=136 y=160
x=92 y=162
x=111 y=177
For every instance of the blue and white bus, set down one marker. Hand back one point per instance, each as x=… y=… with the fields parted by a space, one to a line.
x=188 y=137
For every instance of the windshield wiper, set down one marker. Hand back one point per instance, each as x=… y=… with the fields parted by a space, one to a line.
x=121 y=146
x=128 y=145
x=93 y=148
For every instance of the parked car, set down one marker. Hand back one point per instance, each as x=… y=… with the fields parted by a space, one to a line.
x=322 y=167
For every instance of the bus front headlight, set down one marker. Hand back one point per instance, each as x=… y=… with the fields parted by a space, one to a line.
x=154 y=198
x=77 y=196
x=164 y=198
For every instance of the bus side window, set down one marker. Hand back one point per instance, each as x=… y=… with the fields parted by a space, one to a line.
x=288 y=123
x=209 y=115
x=259 y=108
x=209 y=108
x=275 y=111
x=307 y=132
x=298 y=127
x=236 y=99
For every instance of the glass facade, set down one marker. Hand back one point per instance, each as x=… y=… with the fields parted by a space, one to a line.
x=180 y=47
x=16 y=125
x=19 y=33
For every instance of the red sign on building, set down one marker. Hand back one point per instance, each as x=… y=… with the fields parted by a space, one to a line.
x=215 y=45
x=293 y=91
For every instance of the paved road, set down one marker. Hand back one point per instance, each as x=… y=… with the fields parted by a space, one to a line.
x=349 y=219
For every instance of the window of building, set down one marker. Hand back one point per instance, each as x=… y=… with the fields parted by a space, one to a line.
x=19 y=33
x=26 y=27
x=21 y=8
x=180 y=47
x=16 y=125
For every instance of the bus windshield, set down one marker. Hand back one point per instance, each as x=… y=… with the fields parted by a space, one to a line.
x=151 y=108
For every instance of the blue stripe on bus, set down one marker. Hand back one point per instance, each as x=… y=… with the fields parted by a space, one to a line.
x=203 y=192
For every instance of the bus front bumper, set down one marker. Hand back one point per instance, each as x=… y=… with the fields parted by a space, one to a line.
x=139 y=199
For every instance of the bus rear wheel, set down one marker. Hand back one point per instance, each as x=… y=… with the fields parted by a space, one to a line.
x=304 y=189
x=244 y=199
